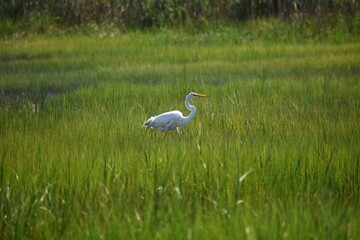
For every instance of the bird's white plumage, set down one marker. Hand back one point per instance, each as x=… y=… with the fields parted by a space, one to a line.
x=173 y=119
x=166 y=121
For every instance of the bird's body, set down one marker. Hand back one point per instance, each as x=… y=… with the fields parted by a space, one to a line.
x=172 y=120
x=166 y=121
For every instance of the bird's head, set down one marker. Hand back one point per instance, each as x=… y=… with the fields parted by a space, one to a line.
x=195 y=95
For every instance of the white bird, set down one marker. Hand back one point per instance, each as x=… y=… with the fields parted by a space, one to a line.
x=174 y=119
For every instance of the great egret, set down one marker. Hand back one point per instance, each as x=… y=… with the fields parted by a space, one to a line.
x=174 y=119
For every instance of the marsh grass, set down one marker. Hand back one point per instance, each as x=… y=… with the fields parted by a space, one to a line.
x=81 y=166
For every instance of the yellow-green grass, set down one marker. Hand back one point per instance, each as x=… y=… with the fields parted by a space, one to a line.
x=272 y=153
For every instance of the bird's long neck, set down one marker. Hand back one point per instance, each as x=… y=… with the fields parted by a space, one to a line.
x=190 y=108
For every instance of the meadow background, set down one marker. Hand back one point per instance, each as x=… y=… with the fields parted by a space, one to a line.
x=273 y=153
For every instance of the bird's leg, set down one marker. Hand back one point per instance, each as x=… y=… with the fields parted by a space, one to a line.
x=177 y=131
x=165 y=134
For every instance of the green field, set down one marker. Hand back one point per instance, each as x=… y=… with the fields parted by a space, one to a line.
x=273 y=153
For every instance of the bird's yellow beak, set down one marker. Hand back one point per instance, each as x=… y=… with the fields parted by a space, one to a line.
x=200 y=95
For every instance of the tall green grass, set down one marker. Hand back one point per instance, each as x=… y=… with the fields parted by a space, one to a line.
x=272 y=153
